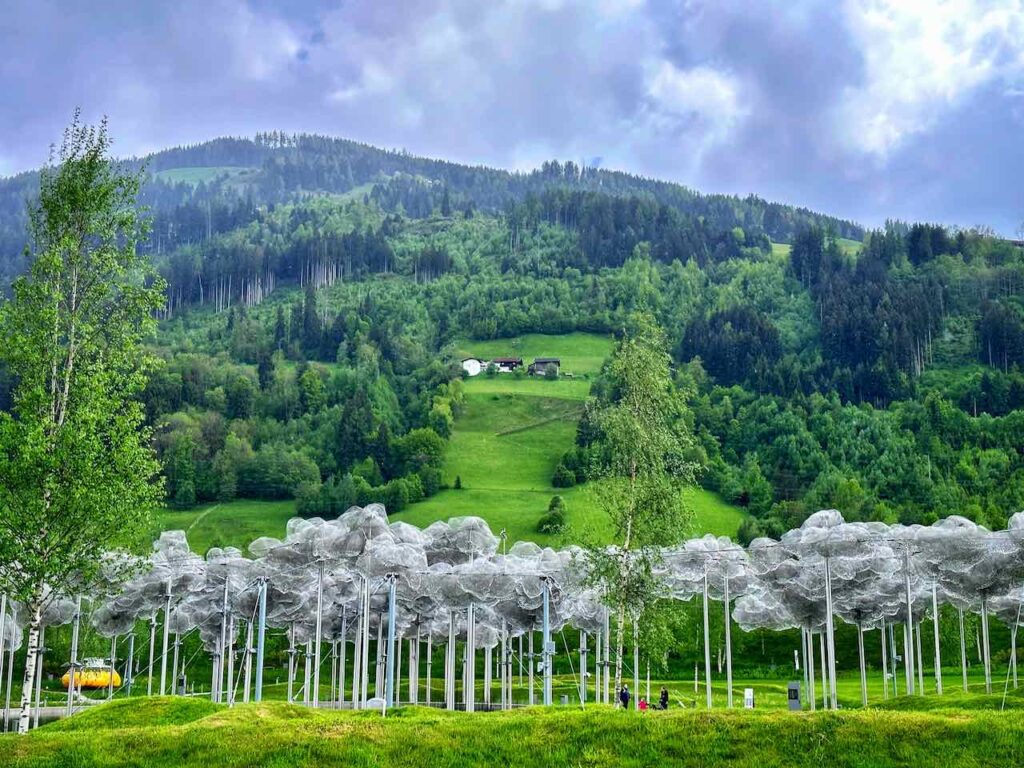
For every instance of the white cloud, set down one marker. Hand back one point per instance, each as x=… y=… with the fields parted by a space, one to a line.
x=922 y=58
x=701 y=98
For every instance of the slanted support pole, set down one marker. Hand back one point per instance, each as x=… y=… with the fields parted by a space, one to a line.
x=707 y=646
x=167 y=638
x=728 y=647
x=261 y=638
x=963 y=649
x=389 y=678
x=318 y=635
x=546 y=653
x=75 y=627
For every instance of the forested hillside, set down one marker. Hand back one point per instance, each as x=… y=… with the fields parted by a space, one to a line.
x=318 y=288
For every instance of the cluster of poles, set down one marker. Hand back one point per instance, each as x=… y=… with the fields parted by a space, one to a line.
x=378 y=587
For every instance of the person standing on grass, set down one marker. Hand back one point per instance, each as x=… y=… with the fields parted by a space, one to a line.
x=643 y=704
x=624 y=696
x=663 y=699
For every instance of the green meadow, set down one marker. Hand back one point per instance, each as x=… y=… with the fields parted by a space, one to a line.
x=174 y=732
x=511 y=435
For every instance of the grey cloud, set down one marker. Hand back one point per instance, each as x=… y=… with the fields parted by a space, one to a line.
x=513 y=83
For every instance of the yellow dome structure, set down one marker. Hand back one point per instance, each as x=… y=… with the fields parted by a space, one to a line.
x=94 y=673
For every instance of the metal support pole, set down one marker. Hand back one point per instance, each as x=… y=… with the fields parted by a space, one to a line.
x=449 y=656
x=885 y=662
x=430 y=668
x=728 y=647
x=504 y=664
x=247 y=688
x=414 y=667
x=963 y=649
x=607 y=657
x=546 y=640
x=488 y=676
x=230 y=653
x=583 y=667
x=399 y=639
x=174 y=666
x=469 y=691
x=10 y=679
x=908 y=673
x=389 y=697
x=1013 y=653
x=830 y=636
x=261 y=639
x=73 y=671
x=863 y=667
x=520 y=661
x=152 y=652
x=307 y=659
x=357 y=659
x=919 y=656
x=113 y=666
x=985 y=643
x=707 y=645
x=364 y=658
x=812 y=694
x=824 y=672
x=597 y=666
x=130 y=671
x=291 y=663
x=803 y=652
x=223 y=640
x=938 y=651
x=342 y=660
x=910 y=622
x=318 y=636
x=167 y=637
x=379 y=668
x=529 y=652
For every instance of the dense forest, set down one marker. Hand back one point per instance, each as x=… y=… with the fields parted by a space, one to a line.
x=315 y=287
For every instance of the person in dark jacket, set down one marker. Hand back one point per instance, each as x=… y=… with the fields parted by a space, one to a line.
x=624 y=696
x=663 y=700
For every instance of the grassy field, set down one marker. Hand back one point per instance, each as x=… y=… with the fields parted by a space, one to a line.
x=511 y=436
x=233 y=524
x=847 y=246
x=195 y=175
x=504 y=449
x=581 y=353
x=165 y=732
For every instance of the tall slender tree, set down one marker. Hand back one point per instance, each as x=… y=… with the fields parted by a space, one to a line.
x=79 y=477
x=642 y=471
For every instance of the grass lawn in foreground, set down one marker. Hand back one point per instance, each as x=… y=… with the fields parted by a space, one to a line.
x=157 y=733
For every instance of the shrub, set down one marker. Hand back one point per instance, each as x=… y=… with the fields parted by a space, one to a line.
x=554 y=520
x=458 y=482
x=564 y=477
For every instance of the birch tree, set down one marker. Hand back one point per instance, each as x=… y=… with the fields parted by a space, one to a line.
x=642 y=469
x=77 y=474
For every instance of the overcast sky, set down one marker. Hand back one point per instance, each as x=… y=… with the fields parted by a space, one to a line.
x=864 y=108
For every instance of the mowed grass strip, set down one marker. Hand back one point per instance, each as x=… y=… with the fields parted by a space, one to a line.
x=276 y=734
x=231 y=524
